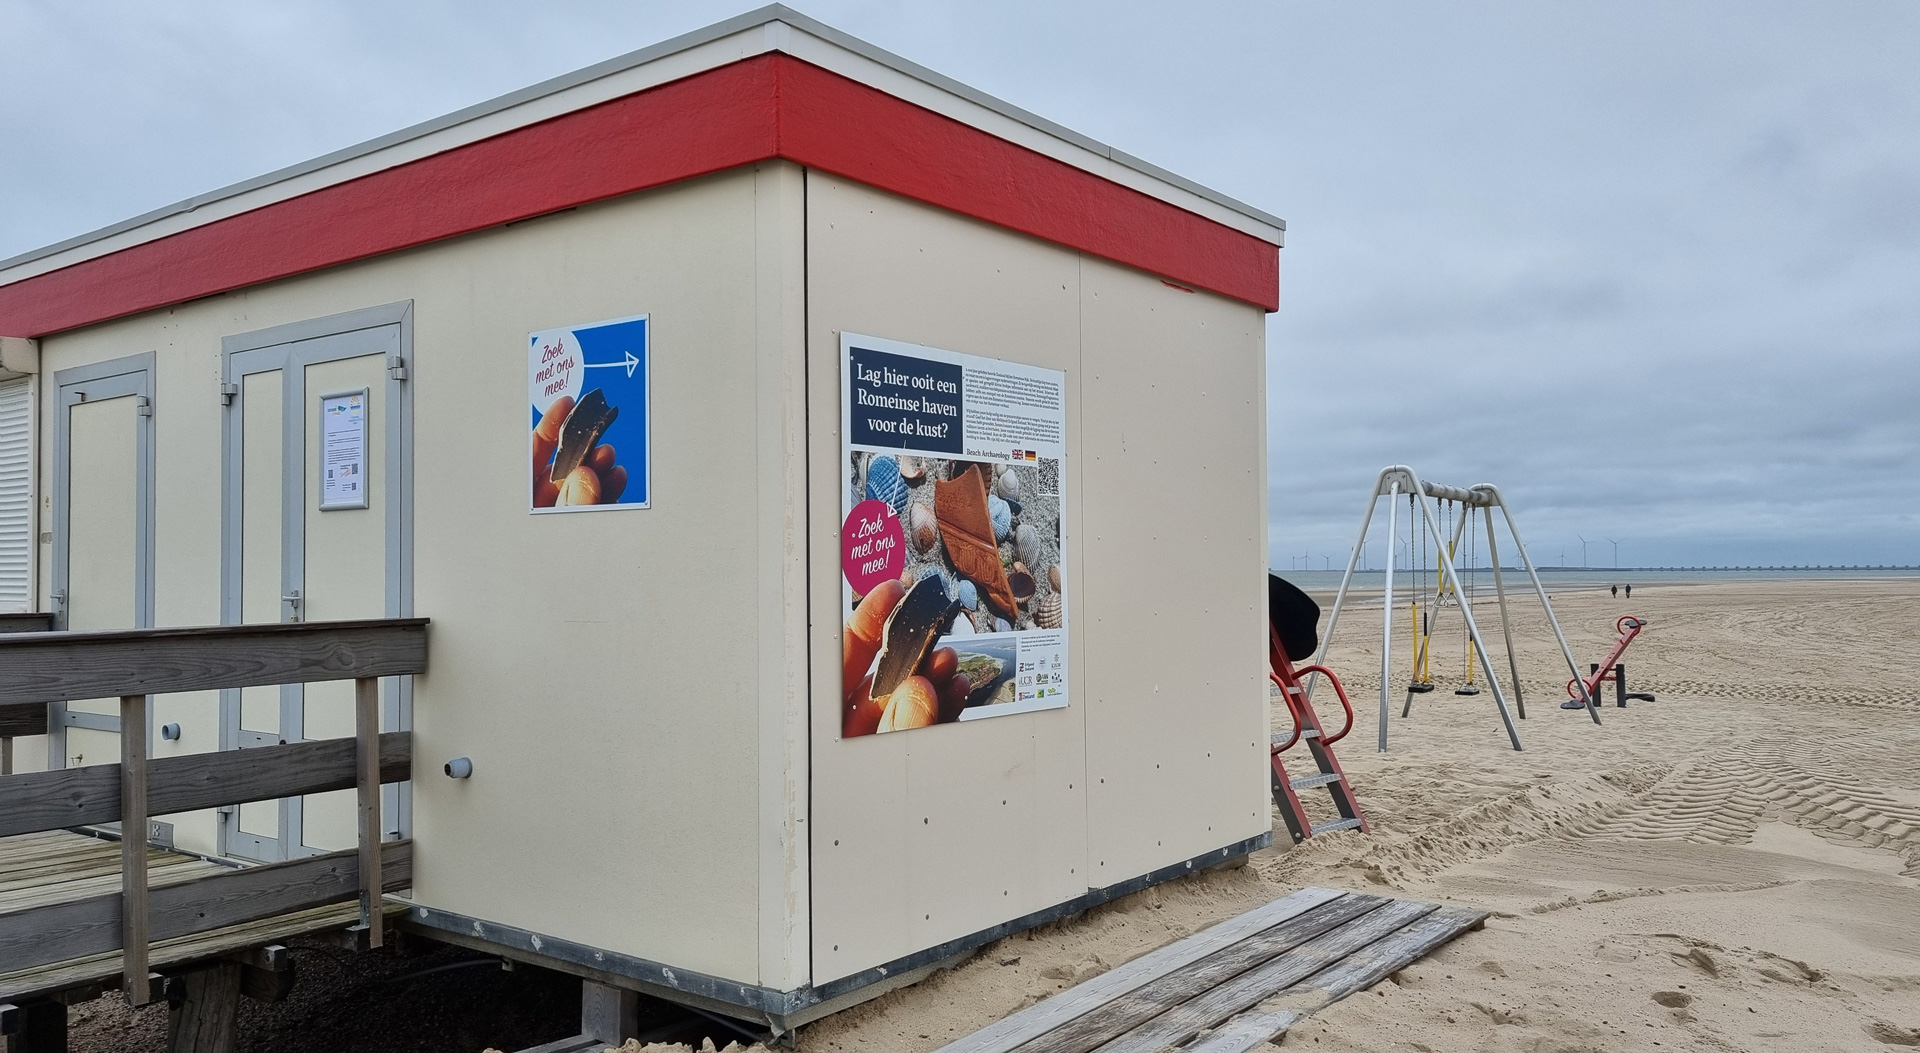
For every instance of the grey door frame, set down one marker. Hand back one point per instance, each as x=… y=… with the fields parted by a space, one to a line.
x=291 y=348
x=130 y=376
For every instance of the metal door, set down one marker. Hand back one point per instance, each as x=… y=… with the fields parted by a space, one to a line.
x=102 y=530
x=286 y=558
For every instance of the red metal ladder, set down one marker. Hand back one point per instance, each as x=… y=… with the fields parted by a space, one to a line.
x=1306 y=727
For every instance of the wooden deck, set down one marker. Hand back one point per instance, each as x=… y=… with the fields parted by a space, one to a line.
x=60 y=866
x=1236 y=986
x=43 y=873
x=79 y=914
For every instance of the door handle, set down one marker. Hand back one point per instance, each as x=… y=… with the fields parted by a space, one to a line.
x=294 y=605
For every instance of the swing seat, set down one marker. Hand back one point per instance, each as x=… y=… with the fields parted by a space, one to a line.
x=1466 y=689
x=1420 y=687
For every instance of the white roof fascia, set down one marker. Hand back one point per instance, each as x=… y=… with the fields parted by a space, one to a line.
x=769 y=29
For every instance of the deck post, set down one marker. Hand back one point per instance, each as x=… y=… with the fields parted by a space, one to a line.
x=6 y=754
x=609 y=1014
x=366 y=717
x=133 y=849
x=206 y=1020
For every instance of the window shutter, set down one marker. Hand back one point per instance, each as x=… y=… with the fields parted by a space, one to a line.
x=16 y=496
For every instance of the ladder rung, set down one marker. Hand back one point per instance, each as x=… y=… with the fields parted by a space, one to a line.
x=1336 y=824
x=1305 y=781
x=1310 y=734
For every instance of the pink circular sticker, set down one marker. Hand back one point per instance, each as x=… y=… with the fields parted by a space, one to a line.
x=873 y=547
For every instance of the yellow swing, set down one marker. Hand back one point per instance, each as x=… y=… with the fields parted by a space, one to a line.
x=1466 y=642
x=1422 y=680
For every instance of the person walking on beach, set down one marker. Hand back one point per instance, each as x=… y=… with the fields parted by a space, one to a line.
x=1616 y=591
x=1629 y=592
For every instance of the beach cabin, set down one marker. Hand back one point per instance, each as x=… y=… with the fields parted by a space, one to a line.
x=751 y=520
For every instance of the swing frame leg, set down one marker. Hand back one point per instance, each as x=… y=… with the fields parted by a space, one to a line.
x=1386 y=600
x=1539 y=589
x=1506 y=626
x=1346 y=580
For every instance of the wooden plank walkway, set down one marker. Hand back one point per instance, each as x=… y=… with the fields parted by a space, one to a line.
x=56 y=868
x=1236 y=986
x=59 y=866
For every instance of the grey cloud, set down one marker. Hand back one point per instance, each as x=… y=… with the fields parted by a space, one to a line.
x=1649 y=266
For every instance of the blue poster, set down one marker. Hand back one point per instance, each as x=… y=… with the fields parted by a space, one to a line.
x=588 y=390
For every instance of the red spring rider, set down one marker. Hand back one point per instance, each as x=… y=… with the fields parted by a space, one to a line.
x=1581 y=695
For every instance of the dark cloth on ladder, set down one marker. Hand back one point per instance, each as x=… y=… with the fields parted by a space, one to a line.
x=1294 y=616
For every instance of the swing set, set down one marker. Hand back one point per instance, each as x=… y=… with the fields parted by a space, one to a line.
x=1446 y=517
x=1421 y=621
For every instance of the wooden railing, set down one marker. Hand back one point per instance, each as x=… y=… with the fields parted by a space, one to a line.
x=30 y=725
x=41 y=668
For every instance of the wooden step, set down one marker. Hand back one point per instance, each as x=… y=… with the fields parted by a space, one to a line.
x=1236 y=986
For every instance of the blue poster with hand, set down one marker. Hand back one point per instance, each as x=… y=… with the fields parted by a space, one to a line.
x=588 y=389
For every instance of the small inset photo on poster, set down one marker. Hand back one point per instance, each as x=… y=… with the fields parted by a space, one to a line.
x=588 y=388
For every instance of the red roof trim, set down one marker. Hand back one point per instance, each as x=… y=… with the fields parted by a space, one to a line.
x=849 y=129
x=753 y=110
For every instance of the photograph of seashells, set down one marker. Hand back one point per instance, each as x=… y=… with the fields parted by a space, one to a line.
x=983 y=560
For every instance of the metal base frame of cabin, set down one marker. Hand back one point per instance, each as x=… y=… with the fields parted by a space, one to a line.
x=1395 y=480
x=779 y=1012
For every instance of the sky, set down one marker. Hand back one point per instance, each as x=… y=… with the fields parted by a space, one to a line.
x=1652 y=268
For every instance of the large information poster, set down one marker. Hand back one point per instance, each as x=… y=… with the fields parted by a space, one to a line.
x=587 y=386
x=952 y=558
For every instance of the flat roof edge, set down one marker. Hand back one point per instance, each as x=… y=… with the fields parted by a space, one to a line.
x=782 y=13
x=770 y=14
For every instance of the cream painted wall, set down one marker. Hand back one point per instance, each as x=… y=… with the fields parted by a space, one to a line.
x=941 y=832
x=604 y=672
x=1173 y=426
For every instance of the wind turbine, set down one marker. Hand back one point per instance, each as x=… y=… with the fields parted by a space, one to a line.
x=1616 y=552
x=1583 y=552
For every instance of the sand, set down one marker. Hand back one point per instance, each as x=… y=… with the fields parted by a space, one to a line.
x=1735 y=866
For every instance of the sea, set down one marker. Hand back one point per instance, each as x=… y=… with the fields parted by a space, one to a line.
x=1479 y=580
